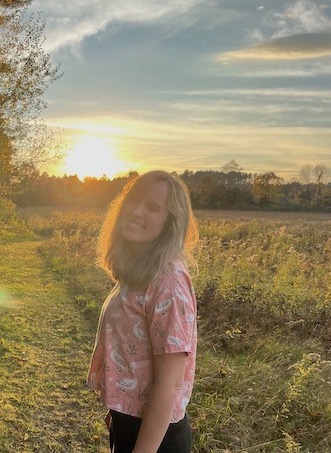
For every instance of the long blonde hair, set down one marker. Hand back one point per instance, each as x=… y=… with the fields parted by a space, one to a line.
x=176 y=241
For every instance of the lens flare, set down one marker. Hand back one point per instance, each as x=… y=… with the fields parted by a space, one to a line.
x=6 y=300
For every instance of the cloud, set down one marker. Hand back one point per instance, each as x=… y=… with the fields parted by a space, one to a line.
x=295 y=47
x=299 y=93
x=304 y=16
x=69 y=23
x=293 y=70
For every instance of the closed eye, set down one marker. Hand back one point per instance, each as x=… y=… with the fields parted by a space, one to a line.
x=153 y=207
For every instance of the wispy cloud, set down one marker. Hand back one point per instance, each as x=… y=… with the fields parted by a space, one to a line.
x=270 y=92
x=290 y=70
x=295 y=47
x=68 y=23
x=304 y=16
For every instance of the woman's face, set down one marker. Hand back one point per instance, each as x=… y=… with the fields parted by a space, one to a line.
x=145 y=214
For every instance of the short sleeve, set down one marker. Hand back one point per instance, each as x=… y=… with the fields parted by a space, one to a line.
x=171 y=313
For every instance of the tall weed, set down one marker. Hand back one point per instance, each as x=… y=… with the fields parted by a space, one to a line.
x=267 y=277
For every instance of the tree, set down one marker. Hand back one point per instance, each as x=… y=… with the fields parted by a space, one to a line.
x=14 y=3
x=314 y=179
x=208 y=190
x=306 y=173
x=306 y=176
x=6 y=167
x=26 y=71
x=231 y=166
x=320 y=171
x=267 y=188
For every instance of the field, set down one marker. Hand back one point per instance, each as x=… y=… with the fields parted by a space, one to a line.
x=264 y=363
x=279 y=217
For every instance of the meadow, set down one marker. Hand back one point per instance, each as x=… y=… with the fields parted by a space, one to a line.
x=264 y=303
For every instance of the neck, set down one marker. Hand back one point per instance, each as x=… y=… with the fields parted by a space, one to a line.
x=136 y=249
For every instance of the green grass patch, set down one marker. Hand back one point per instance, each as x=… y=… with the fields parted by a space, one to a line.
x=45 y=345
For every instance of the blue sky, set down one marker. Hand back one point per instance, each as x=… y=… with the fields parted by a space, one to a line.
x=192 y=84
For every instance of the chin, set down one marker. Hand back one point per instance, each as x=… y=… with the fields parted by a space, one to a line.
x=131 y=238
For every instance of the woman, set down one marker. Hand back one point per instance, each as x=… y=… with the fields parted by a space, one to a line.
x=144 y=356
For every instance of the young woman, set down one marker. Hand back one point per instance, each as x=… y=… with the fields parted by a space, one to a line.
x=144 y=356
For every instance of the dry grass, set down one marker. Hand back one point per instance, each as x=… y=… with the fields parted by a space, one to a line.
x=263 y=381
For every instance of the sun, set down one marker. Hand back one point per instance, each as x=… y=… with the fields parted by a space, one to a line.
x=94 y=156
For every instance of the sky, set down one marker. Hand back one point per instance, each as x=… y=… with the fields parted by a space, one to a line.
x=190 y=84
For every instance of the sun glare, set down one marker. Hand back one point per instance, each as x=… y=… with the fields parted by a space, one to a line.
x=92 y=156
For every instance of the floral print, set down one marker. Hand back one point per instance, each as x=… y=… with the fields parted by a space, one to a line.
x=135 y=325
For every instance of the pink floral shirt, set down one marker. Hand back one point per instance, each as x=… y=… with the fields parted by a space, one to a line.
x=134 y=326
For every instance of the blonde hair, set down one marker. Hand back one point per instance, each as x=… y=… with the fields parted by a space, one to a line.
x=176 y=241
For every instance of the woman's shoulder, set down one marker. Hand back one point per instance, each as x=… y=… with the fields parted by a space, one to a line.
x=173 y=271
x=172 y=276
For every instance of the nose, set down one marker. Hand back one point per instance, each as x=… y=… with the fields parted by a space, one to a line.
x=138 y=209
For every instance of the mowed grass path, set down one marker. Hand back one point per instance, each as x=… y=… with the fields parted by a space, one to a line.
x=45 y=346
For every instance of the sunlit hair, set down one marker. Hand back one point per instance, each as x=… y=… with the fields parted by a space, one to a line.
x=176 y=241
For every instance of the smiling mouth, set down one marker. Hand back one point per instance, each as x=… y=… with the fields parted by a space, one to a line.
x=135 y=225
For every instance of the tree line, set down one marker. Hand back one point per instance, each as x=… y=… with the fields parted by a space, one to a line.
x=228 y=188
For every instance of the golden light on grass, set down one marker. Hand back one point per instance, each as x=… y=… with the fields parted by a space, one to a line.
x=94 y=156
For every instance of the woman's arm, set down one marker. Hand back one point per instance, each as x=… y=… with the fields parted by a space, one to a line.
x=169 y=372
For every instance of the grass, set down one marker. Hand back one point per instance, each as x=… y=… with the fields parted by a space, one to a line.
x=44 y=353
x=263 y=368
x=257 y=401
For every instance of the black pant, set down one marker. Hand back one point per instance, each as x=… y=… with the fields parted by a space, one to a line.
x=124 y=430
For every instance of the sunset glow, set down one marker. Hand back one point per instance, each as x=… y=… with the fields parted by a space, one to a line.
x=258 y=91
x=93 y=156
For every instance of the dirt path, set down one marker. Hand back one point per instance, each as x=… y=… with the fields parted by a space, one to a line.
x=45 y=345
